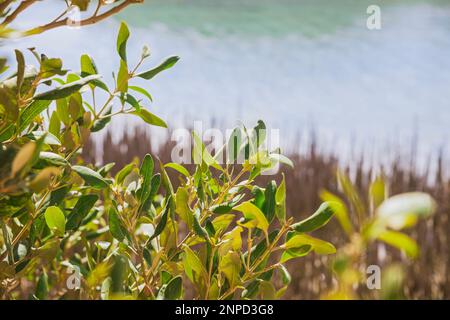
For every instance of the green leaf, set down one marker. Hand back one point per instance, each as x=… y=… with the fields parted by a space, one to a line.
x=3 y=66
x=267 y=290
x=123 y=77
x=23 y=157
x=174 y=288
x=132 y=101
x=150 y=118
x=146 y=172
x=285 y=275
x=258 y=134
x=317 y=220
x=226 y=206
x=178 y=167
x=80 y=211
x=141 y=91
x=54 y=126
x=101 y=123
x=279 y=158
x=377 y=192
x=166 y=64
x=200 y=153
x=41 y=292
x=122 y=39
x=91 y=177
x=295 y=253
x=318 y=246
x=154 y=187
x=230 y=265
x=401 y=241
x=65 y=90
x=192 y=265
x=88 y=66
x=103 y=171
x=403 y=210
x=163 y=221
x=352 y=195
x=50 y=158
x=280 y=200
x=269 y=203
x=198 y=229
x=42 y=180
x=55 y=219
x=254 y=218
x=123 y=173
x=234 y=145
x=222 y=222
x=20 y=68
x=62 y=109
x=115 y=226
x=51 y=67
x=182 y=207
x=30 y=112
x=340 y=210
x=7 y=132
x=118 y=274
x=48 y=137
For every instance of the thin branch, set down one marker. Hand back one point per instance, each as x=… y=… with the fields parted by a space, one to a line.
x=20 y=8
x=5 y=5
x=92 y=20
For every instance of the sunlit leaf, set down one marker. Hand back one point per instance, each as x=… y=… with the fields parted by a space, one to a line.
x=80 y=211
x=43 y=178
x=55 y=220
x=24 y=156
x=122 y=39
x=403 y=210
x=280 y=200
x=150 y=118
x=316 y=220
x=230 y=265
x=166 y=64
x=178 y=167
x=254 y=218
x=65 y=90
x=91 y=177
x=401 y=241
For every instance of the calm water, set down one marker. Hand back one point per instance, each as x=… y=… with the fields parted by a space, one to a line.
x=296 y=64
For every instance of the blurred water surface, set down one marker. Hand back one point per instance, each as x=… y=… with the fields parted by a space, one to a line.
x=297 y=64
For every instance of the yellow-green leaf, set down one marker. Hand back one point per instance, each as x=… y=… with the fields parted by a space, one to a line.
x=400 y=241
x=24 y=155
x=403 y=210
x=317 y=245
x=43 y=178
x=254 y=218
x=55 y=219
x=316 y=220
x=230 y=265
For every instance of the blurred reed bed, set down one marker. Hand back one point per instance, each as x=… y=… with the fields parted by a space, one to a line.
x=428 y=277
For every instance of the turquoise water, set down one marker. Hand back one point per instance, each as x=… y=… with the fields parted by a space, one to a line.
x=296 y=64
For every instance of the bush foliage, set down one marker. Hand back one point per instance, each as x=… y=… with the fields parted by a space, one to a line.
x=72 y=230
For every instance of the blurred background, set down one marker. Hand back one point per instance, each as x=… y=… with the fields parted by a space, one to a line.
x=367 y=101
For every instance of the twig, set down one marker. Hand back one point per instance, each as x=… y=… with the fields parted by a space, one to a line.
x=92 y=20
x=20 y=8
